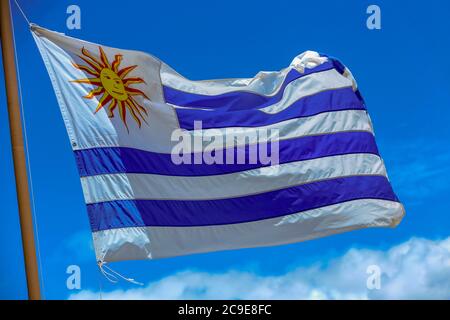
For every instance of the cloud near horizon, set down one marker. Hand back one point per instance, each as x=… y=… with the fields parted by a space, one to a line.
x=416 y=269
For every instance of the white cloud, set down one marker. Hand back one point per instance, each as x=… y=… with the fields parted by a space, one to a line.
x=416 y=269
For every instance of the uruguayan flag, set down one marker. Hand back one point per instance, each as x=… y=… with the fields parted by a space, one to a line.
x=171 y=166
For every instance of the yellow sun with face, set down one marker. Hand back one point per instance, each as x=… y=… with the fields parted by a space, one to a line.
x=113 y=87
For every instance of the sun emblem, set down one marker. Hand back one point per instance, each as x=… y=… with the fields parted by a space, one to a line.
x=113 y=88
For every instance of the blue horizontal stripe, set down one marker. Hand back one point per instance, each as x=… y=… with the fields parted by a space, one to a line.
x=338 y=65
x=128 y=160
x=140 y=213
x=326 y=101
x=237 y=100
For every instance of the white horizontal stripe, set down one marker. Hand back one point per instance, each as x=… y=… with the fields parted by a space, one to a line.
x=329 y=122
x=160 y=141
x=161 y=242
x=264 y=83
x=306 y=86
x=111 y=187
x=191 y=108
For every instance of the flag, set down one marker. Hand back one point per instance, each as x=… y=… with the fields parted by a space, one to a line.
x=171 y=166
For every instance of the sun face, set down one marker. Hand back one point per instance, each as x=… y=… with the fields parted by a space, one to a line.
x=113 y=84
x=113 y=87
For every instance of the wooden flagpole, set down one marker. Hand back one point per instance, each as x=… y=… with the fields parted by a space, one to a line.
x=18 y=152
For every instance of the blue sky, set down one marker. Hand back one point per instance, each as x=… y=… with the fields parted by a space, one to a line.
x=401 y=70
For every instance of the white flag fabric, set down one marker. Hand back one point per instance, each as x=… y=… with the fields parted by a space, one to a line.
x=171 y=166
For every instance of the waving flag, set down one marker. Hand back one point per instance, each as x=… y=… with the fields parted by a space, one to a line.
x=171 y=166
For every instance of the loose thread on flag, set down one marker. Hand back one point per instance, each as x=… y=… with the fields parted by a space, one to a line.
x=100 y=286
x=113 y=276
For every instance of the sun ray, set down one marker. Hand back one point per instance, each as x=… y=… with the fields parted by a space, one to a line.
x=123 y=73
x=104 y=58
x=138 y=106
x=122 y=113
x=139 y=109
x=95 y=92
x=96 y=67
x=116 y=63
x=129 y=81
x=94 y=60
x=86 y=69
x=95 y=81
x=136 y=92
x=132 y=112
x=103 y=101
x=111 y=108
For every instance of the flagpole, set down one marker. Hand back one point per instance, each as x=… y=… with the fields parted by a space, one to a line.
x=18 y=152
